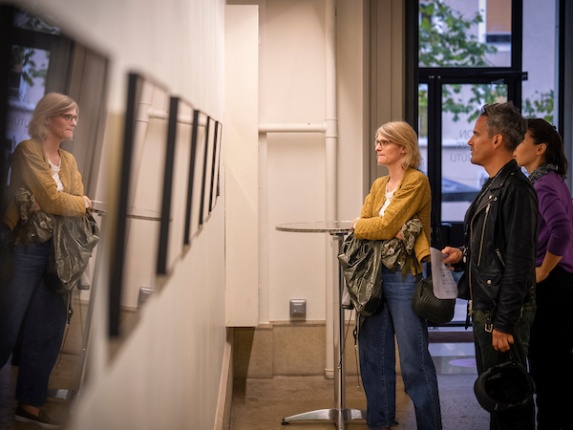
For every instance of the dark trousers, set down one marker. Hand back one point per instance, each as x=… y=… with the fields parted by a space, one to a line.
x=32 y=322
x=486 y=357
x=551 y=351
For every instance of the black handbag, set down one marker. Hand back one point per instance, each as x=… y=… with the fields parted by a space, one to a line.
x=424 y=302
x=426 y=305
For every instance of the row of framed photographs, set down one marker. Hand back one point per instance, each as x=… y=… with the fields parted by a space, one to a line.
x=169 y=184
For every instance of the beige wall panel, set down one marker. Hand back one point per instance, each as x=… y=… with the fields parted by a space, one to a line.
x=241 y=165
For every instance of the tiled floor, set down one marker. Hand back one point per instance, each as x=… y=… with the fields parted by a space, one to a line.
x=261 y=404
x=63 y=380
x=56 y=408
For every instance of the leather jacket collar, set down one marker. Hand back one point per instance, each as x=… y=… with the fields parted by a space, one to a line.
x=492 y=185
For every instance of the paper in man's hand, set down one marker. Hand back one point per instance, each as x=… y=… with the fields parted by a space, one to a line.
x=445 y=286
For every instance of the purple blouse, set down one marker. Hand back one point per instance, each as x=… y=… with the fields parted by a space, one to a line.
x=555 y=224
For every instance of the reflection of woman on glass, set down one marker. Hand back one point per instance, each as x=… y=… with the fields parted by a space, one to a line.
x=551 y=342
x=33 y=317
x=394 y=200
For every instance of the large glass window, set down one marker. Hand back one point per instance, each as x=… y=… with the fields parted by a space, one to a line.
x=540 y=59
x=462 y=180
x=465 y=33
x=29 y=66
x=473 y=52
x=27 y=85
x=469 y=53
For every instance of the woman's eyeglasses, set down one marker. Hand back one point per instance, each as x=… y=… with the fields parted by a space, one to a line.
x=382 y=142
x=69 y=117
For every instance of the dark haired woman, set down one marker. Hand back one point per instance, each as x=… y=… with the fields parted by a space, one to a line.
x=551 y=343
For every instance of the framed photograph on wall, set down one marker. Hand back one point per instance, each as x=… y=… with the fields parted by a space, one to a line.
x=139 y=197
x=215 y=191
x=196 y=173
x=178 y=150
x=208 y=168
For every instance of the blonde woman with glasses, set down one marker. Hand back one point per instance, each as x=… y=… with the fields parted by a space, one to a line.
x=398 y=206
x=44 y=181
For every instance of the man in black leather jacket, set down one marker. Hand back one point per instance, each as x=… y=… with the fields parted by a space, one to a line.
x=498 y=256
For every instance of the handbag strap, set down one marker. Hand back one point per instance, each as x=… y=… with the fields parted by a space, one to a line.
x=436 y=236
x=436 y=231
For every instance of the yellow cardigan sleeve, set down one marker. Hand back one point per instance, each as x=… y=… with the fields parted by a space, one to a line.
x=32 y=171
x=411 y=199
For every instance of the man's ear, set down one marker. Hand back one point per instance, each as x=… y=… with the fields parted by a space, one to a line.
x=497 y=140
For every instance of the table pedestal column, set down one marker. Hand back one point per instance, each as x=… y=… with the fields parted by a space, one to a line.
x=339 y=414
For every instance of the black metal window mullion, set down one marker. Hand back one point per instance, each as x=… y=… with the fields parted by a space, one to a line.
x=436 y=77
x=435 y=143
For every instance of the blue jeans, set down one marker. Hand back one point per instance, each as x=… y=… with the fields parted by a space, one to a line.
x=32 y=322
x=398 y=322
x=486 y=357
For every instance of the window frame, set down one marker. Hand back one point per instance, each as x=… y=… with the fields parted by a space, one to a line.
x=436 y=77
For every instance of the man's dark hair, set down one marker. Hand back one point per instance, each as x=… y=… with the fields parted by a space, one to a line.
x=505 y=119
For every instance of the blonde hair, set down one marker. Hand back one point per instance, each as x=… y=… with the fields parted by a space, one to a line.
x=402 y=134
x=49 y=106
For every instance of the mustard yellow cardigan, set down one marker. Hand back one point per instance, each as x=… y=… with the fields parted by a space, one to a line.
x=31 y=170
x=412 y=199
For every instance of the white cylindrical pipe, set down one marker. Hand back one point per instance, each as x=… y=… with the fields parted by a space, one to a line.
x=331 y=148
x=292 y=128
x=263 y=230
x=331 y=136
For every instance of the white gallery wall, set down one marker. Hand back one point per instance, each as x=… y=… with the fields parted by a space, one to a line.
x=167 y=372
x=242 y=169
x=250 y=63
x=293 y=181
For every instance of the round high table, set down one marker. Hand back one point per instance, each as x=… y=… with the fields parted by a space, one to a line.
x=339 y=413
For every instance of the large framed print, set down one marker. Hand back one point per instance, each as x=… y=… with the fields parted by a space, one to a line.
x=196 y=176
x=172 y=224
x=139 y=197
x=215 y=179
x=208 y=168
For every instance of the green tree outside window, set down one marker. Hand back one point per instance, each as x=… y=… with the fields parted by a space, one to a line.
x=445 y=42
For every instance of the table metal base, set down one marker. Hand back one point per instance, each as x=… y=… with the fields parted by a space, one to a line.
x=339 y=416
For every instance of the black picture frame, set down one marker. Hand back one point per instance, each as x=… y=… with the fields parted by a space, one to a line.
x=190 y=179
x=173 y=208
x=193 y=215
x=143 y=156
x=215 y=177
x=134 y=88
x=207 y=169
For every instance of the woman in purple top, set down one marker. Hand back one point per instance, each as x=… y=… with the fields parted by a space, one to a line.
x=551 y=343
